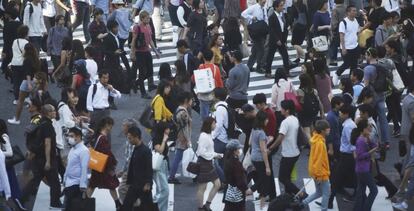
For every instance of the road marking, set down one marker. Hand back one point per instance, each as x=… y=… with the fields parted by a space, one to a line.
x=380 y=203
x=217 y=203
x=310 y=189
x=171 y=197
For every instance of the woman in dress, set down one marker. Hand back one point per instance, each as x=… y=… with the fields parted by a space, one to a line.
x=107 y=179
x=323 y=83
x=206 y=155
x=31 y=65
x=5 y=146
x=197 y=24
x=299 y=26
x=98 y=32
x=235 y=177
x=364 y=155
x=64 y=59
x=322 y=20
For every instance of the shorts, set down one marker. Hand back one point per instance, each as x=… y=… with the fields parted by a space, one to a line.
x=24 y=87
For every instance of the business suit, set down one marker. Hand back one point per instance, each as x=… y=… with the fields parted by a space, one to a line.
x=275 y=35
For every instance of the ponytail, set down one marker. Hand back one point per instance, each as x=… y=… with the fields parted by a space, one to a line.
x=356 y=132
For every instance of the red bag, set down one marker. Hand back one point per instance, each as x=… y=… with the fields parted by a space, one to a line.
x=292 y=96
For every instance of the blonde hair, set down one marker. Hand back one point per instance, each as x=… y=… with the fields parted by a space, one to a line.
x=143 y=14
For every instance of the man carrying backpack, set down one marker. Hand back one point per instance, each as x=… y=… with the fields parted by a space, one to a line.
x=376 y=77
x=33 y=18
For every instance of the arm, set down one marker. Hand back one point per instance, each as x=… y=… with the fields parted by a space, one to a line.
x=148 y=170
x=4 y=181
x=180 y=15
x=26 y=15
x=84 y=169
x=248 y=14
x=278 y=141
x=231 y=81
x=157 y=107
x=62 y=5
x=89 y=104
x=161 y=147
x=318 y=161
x=113 y=92
x=7 y=146
x=263 y=150
x=67 y=116
x=379 y=37
x=133 y=41
x=48 y=148
x=361 y=154
x=63 y=58
x=49 y=41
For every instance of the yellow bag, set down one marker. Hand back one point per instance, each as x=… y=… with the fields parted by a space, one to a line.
x=364 y=36
x=97 y=160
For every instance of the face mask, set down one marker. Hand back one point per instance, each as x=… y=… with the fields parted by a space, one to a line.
x=72 y=141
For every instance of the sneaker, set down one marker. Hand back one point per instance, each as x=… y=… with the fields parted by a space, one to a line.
x=14 y=102
x=13 y=121
x=173 y=181
x=330 y=205
x=27 y=100
x=56 y=207
x=400 y=206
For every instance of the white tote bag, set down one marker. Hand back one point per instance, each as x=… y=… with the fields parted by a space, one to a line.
x=320 y=43
x=204 y=80
x=397 y=81
x=157 y=160
x=188 y=156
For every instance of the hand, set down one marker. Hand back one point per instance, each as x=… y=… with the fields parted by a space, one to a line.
x=29 y=86
x=119 y=51
x=147 y=187
x=47 y=166
x=254 y=19
x=44 y=33
x=330 y=152
x=279 y=43
x=344 y=52
x=110 y=87
x=157 y=54
x=30 y=155
x=270 y=139
x=373 y=150
x=219 y=156
x=3 y=55
x=268 y=172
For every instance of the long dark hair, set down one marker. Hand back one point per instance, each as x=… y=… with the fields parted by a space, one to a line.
x=305 y=82
x=3 y=130
x=320 y=67
x=259 y=121
x=206 y=126
x=213 y=40
x=181 y=75
x=229 y=160
x=78 y=52
x=161 y=87
x=348 y=86
x=356 y=132
x=231 y=25
x=365 y=93
x=165 y=71
x=159 y=130
x=280 y=74
x=102 y=124
x=30 y=54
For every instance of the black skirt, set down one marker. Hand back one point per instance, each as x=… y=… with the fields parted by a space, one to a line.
x=207 y=171
x=298 y=34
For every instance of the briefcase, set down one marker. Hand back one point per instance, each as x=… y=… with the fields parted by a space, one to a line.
x=84 y=204
x=258 y=29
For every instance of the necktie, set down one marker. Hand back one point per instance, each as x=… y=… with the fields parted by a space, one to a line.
x=264 y=16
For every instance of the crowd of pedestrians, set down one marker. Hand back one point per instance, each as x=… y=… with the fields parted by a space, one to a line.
x=348 y=134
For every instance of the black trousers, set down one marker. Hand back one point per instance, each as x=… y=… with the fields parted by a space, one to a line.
x=17 y=78
x=133 y=194
x=52 y=179
x=344 y=177
x=394 y=109
x=286 y=167
x=71 y=193
x=7 y=59
x=123 y=56
x=271 y=54
x=55 y=61
x=145 y=66
x=350 y=60
x=257 y=53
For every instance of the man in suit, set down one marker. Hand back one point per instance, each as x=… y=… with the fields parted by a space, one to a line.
x=278 y=32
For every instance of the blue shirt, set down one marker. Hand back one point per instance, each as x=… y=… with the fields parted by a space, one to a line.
x=335 y=134
x=147 y=6
x=346 y=145
x=357 y=90
x=102 y=4
x=77 y=169
x=123 y=17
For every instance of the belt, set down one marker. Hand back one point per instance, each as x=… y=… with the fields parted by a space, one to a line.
x=100 y=109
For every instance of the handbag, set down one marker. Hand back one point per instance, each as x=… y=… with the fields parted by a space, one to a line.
x=302 y=138
x=247 y=160
x=320 y=43
x=258 y=29
x=147 y=117
x=290 y=95
x=244 y=49
x=98 y=160
x=84 y=204
x=397 y=81
x=204 y=80
x=17 y=157
x=233 y=194
x=157 y=160
x=188 y=156
x=193 y=166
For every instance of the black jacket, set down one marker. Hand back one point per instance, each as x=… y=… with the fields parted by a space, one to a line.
x=10 y=34
x=109 y=47
x=275 y=33
x=140 y=167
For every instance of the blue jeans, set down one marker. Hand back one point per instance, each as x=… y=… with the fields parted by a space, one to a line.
x=177 y=160
x=323 y=188
x=161 y=182
x=219 y=147
x=382 y=118
x=364 y=203
x=205 y=108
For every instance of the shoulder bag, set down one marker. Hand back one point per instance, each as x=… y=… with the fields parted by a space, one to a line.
x=233 y=194
x=98 y=160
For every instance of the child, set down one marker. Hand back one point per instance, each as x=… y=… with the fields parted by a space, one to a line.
x=319 y=164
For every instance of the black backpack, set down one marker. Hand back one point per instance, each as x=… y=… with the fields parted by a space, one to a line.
x=33 y=143
x=310 y=104
x=232 y=132
x=176 y=126
x=383 y=79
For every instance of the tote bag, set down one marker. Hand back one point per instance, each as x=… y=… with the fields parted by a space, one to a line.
x=204 y=80
x=397 y=81
x=157 y=159
x=98 y=160
x=320 y=43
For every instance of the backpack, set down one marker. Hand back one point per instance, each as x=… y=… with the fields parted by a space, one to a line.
x=232 y=131
x=310 y=107
x=383 y=79
x=46 y=98
x=176 y=126
x=80 y=68
x=33 y=143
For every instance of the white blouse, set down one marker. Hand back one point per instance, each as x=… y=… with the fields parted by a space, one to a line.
x=278 y=92
x=205 y=147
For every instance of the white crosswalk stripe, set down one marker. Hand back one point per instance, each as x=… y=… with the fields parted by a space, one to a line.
x=310 y=189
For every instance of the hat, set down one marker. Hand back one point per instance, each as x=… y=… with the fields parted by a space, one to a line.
x=247 y=108
x=181 y=43
x=233 y=145
x=118 y=2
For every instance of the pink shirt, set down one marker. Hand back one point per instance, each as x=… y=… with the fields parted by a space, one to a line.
x=146 y=29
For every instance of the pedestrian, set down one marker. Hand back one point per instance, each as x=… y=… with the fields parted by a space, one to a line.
x=245 y=122
x=81 y=15
x=299 y=26
x=33 y=18
x=4 y=184
x=63 y=62
x=97 y=100
x=98 y=32
x=323 y=83
x=54 y=40
x=347 y=90
x=236 y=178
x=141 y=54
x=319 y=164
x=338 y=14
x=49 y=14
x=197 y=28
x=11 y=25
x=215 y=45
x=147 y=6
x=103 y=5
x=139 y=176
x=44 y=163
x=6 y=148
x=107 y=179
x=31 y=65
x=76 y=174
x=181 y=11
x=231 y=31
x=206 y=154
x=259 y=156
x=123 y=17
x=356 y=77
x=159 y=145
x=183 y=125
x=366 y=97
x=161 y=112
x=182 y=78
x=364 y=151
x=384 y=32
x=238 y=81
x=279 y=88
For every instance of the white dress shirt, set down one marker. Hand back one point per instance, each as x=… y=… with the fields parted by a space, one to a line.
x=221 y=116
x=205 y=147
x=18 y=51
x=100 y=100
x=77 y=169
x=4 y=179
x=180 y=14
x=255 y=11
x=281 y=21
